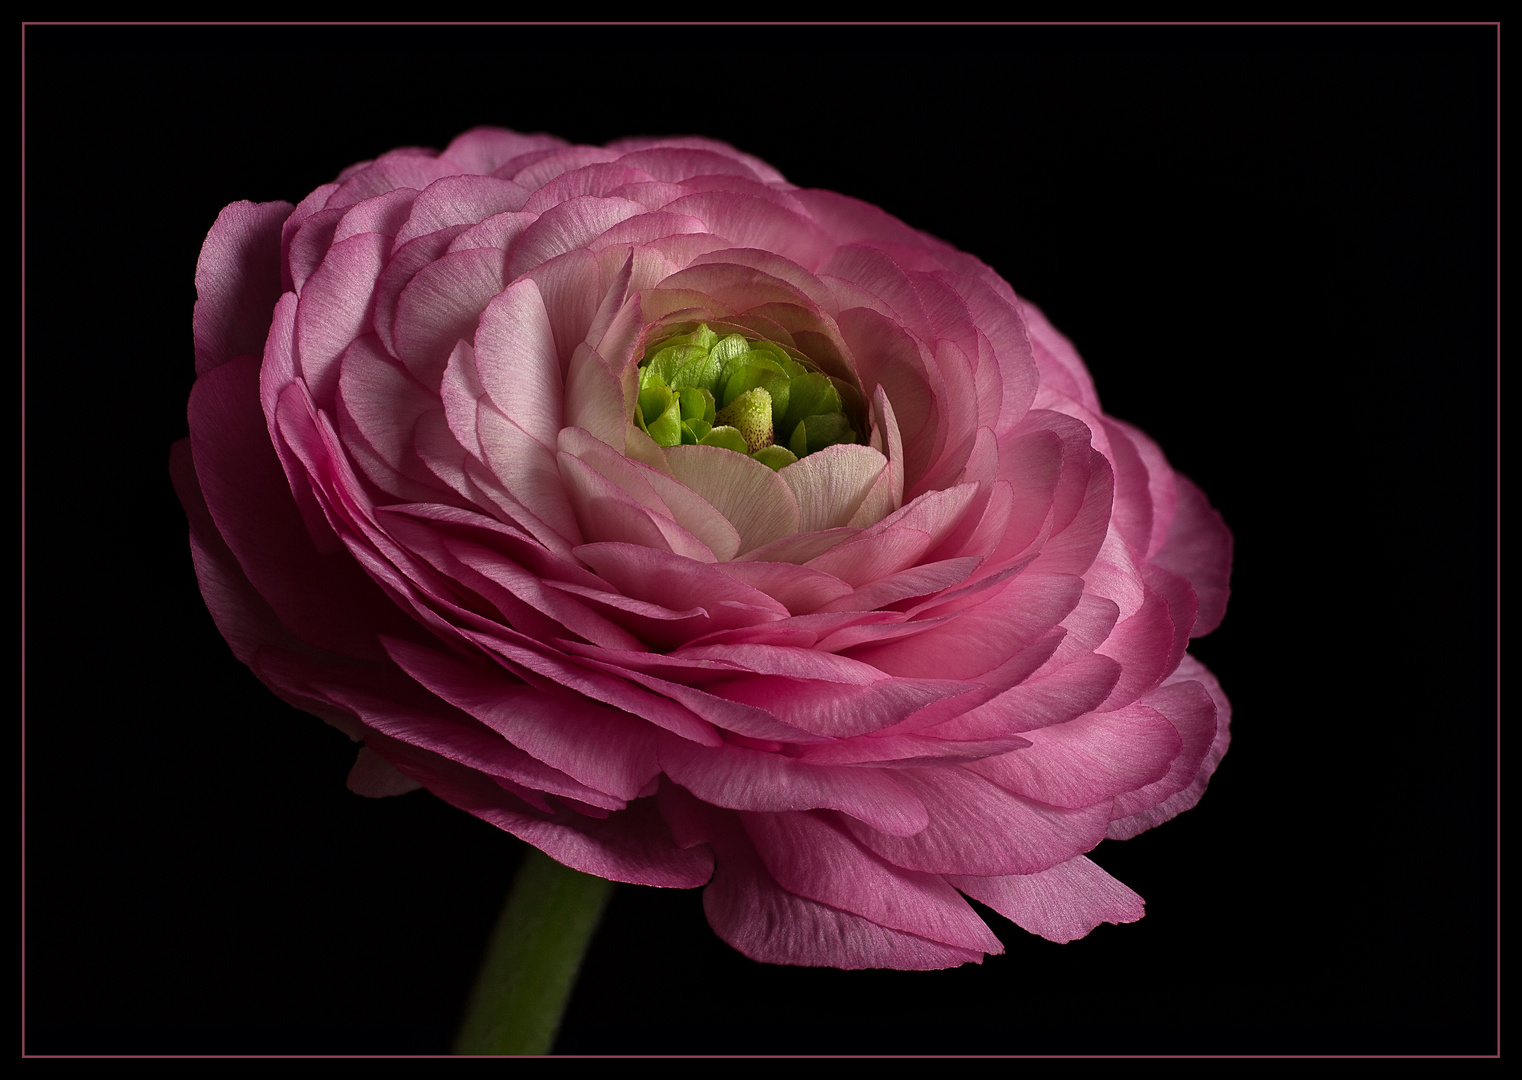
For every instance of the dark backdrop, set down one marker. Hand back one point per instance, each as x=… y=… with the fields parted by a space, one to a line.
x=1276 y=249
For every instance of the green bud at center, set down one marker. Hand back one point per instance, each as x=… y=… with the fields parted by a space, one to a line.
x=751 y=397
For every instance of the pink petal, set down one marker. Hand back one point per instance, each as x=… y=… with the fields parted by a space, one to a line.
x=237 y=282
x=633 y=845
x=380 y=405
x=517 y=363
x=1061 y=904
x=485 y=149
x=1051 y=697
x=830 y=486
x=694 y=519
x=798 y=588
x=838 y=710
x=748 y=909
x=376 y=778
x=594 y=399
x=571 y=226
x=598 y=179
x=309 y=244
x=1192 y=701
x=540 y=169
x=904 y=585
x=573 y=291
x=887 y=356
x=978 y=828
x=589 y=680
x=658 y=577
x=323 y=599
x=1146 y=645
x=745 y=779
x=397 y=169
x=336 y=307
x=675 y=160
x=526 y=469
x=1058 y=361
x=306 y=208
x=460 y=200
x=460 y=739
x=985 y=635
x=752 y=498
x=441 y=305
x=1088 y=760
x=384 y=215
x=601 y=747
x=406 y=261
x=811 y=856
x=1198 y=549
x=606 y=513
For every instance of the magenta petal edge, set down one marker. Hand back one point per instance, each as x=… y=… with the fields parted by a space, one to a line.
x=942 y=657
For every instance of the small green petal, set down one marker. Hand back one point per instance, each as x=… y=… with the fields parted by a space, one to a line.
x=798 y=442
x=649 y=376
x=775 y=457
x=701 y=370
x=730 y=347
x=747 y=372
x=810 y=394
x=666 y=429
x=776 y=352
x=727 y=437
x=653 y=401
x=826 y=430
x=698 y=429
x=697 y=402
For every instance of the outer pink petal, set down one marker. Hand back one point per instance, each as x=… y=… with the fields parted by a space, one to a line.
x=486 y=149
x=978 y=828
x=810 y=855
x=601 y=747
x=750 y=910
x=571 y=226
x=744 y=779
x=1060 y=366
x=324 y=599
x=337 y=306
x=633 y=845
x=1193 y=702
x=1198 y=549
x=1088 y=760
x=983 y=636
x=460 y=200
x=1061 y=904
x=441 y=306
x=237 y=282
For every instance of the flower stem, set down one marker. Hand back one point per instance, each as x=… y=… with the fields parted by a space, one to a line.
x=532 y=959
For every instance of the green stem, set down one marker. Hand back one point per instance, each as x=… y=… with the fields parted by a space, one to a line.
x=532 y=958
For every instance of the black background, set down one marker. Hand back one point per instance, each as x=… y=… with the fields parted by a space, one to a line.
x=1276 y=249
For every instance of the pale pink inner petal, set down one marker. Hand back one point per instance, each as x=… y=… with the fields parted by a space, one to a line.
x=753 y=498
x=831 y=485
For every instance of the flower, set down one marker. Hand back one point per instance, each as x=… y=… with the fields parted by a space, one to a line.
x=702 y=530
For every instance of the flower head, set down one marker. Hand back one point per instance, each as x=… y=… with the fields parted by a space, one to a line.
x=702 y=530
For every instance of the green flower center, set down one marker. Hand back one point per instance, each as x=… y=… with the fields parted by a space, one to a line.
x=696 y=388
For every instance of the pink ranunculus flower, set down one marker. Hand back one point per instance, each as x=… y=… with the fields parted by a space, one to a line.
x=702 y=530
